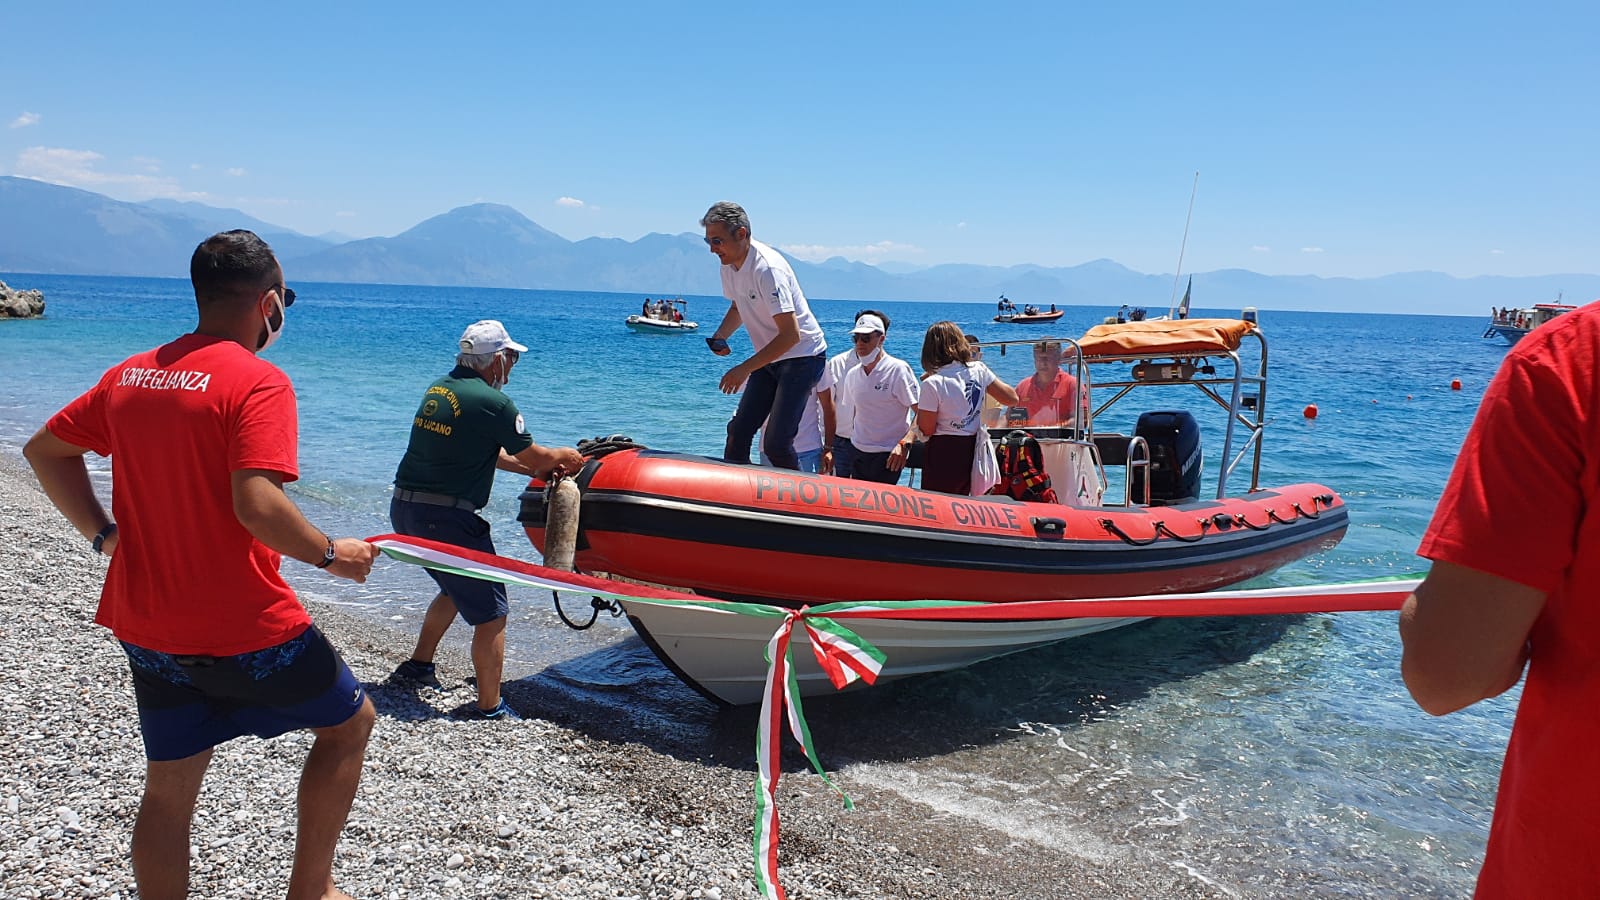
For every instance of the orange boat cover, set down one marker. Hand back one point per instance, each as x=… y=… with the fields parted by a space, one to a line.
x=1178 y=337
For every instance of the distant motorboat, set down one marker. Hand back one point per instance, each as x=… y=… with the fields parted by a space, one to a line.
x=662 y=317
x=1030 y=314
x=1513 y=324
x=1037 y=318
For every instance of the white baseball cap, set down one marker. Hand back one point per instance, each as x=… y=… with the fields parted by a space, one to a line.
x=868 y=324
x=488 y=336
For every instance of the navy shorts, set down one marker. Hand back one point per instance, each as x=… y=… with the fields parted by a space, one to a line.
x=188 y=704
x=477 y=601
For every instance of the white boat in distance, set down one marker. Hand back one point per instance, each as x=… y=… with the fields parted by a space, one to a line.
x=662 y=317
x=1514 y=324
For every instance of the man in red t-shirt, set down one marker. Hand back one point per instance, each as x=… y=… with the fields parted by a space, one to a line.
x=202 y=434
x=1049 y=394
x=1515 y=544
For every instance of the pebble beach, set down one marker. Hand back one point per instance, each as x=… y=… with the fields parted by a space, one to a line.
x=550 y=806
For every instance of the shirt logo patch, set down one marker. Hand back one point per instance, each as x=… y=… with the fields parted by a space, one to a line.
x=430 y=406
x=520 y=427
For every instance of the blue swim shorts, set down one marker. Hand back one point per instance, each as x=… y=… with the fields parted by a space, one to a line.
x=189 y=704
x=477 y=601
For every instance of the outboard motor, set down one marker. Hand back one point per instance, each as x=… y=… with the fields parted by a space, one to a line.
x=1175 y=457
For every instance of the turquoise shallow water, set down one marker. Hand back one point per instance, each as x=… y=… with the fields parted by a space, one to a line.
x=1258 y=754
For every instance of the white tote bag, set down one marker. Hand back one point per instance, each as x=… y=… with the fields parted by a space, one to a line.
x=985 y=467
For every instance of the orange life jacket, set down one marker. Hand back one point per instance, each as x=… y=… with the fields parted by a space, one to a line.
x=1022 y=474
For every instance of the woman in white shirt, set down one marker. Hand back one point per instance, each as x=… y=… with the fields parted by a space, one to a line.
x=948 y=409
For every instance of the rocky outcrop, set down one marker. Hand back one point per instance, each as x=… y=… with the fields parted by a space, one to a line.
x=20 y=304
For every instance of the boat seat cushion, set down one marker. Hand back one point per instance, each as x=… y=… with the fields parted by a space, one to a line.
x=1113 y=449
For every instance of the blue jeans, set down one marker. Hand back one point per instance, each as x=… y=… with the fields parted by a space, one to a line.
x=873 y=467
x=808 y=461
x=778 y=390
x=844 y=456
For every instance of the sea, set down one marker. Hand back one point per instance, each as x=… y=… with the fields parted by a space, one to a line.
x=1259 y=755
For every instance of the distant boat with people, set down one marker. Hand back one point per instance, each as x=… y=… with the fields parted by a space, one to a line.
x=1028 y=315
x=1513 y=324
x=662 y=317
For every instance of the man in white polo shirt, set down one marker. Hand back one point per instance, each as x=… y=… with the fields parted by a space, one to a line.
x=838 y=454
x=764 y=297
x=882 y=392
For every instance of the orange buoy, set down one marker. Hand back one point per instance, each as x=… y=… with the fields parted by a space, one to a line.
x=1455 y=384
x=1311 y=411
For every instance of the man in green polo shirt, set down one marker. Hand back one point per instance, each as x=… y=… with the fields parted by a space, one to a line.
x=464 y=429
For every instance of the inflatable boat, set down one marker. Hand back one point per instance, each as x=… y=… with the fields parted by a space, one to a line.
x=747 y=532
x=1125 y=517
x=672 y=318
x=1037 y=318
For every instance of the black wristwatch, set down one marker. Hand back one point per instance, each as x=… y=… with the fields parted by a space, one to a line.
x=328 y=555
x=101 y=535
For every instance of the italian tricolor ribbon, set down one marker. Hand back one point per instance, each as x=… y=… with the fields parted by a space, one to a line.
x=846 y=657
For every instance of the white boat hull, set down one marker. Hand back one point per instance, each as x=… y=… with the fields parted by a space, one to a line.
x=657 y=326
x=722 y=653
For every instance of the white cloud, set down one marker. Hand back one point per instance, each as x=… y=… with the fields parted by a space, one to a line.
x=238 y=172
x=195 y=167
x=81 y=168
x=961 y=224
x=1310 y=249
x=1497 y=252
x=1258 y=248
x=570 y=202
x=345 y=214
x=24 y=120
x=867 y=253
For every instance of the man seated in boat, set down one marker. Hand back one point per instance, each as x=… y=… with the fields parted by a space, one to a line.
x=1048 y=397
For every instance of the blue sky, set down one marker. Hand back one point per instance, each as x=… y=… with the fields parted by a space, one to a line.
x=1331 y=139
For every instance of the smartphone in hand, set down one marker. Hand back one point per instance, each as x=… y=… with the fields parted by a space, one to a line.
x=716 y=344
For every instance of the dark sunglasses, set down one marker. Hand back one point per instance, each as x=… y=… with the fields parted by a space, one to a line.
x=287 y=293
x=512 y=356
x=713 y=242
x=863 y=338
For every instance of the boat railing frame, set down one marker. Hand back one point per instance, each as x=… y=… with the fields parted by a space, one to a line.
x=1135 y=444
x=1241 y=395
x=1245 y=411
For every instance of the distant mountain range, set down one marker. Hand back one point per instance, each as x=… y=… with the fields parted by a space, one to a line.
x=47 y=228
